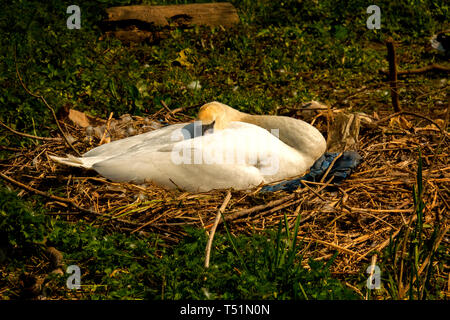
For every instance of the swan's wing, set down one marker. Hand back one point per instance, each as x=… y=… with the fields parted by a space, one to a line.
x=163 y=168
x=161 y=136
x=240 y=157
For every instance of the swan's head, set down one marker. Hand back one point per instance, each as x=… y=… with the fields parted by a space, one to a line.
x=216 y=116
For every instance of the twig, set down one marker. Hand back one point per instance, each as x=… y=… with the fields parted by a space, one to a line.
x=244 y=212
x=279 y=202
x=312 y=190
x=42 y=193
x=12 y=149
x=65 y=200
x=214 y=227
x=372 y=270
x=393 y=74
x=431 y=67
x=108 y=122
x=182 y=109
x=28 y=135
x=176 y=186
x=354 y=289
x=410 y=114
x=277 y=208
x=166 y=107
x=335 y=246
x=331 y=166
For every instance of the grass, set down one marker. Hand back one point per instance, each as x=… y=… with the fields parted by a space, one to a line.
x=118 y=266
x=281 y=54
x=413 y=258
x=262 y=265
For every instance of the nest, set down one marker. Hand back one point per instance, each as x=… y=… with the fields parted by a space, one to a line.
x=356 y=218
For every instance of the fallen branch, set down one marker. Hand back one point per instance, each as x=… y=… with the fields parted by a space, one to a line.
x=28 y=135
x=335 y=246
x=280 y=203
x=256 y=209
x=214 y=227
x=182 y=109
x=431 y=67
x=64 y=200
x=42 y=193
x=393 y=74
x=166 y=107
x=108 y=123
x=409 y=114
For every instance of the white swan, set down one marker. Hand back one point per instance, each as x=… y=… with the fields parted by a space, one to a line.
x=240 y=152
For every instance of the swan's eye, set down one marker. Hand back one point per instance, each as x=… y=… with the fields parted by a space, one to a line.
x=208 y=128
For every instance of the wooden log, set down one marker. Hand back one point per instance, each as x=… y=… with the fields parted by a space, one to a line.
x=210 y=14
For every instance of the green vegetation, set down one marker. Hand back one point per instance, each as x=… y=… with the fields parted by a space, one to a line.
x=118 y=266
x=281 y=54
x=407 y=253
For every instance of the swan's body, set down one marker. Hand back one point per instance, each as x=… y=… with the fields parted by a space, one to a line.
x=240 y=153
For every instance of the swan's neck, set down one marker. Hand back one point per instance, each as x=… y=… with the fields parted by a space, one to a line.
x=294 y=132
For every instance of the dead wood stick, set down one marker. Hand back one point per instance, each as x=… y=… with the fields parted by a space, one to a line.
x=64 y=200
x=248 y=211
x=166 y=107
x=212 y=14
x=28 y=135
x=42 y=193
x=214 y=227
x=431 y=67
x=381 y=210
x=12 y=149
x=271 y=204
x=331 y=166
x=393 y=74
x=277 y=208
x=108 y=123
x=182 y=109
x=372 y=271
x=335 y=246
x=59 y=127
x=410 y=114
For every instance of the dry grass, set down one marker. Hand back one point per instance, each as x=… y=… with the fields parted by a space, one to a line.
x=355 y=218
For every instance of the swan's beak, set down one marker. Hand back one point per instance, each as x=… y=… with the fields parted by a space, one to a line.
x=207 y=128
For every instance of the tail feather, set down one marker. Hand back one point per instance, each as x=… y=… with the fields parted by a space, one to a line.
x=72 y=161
